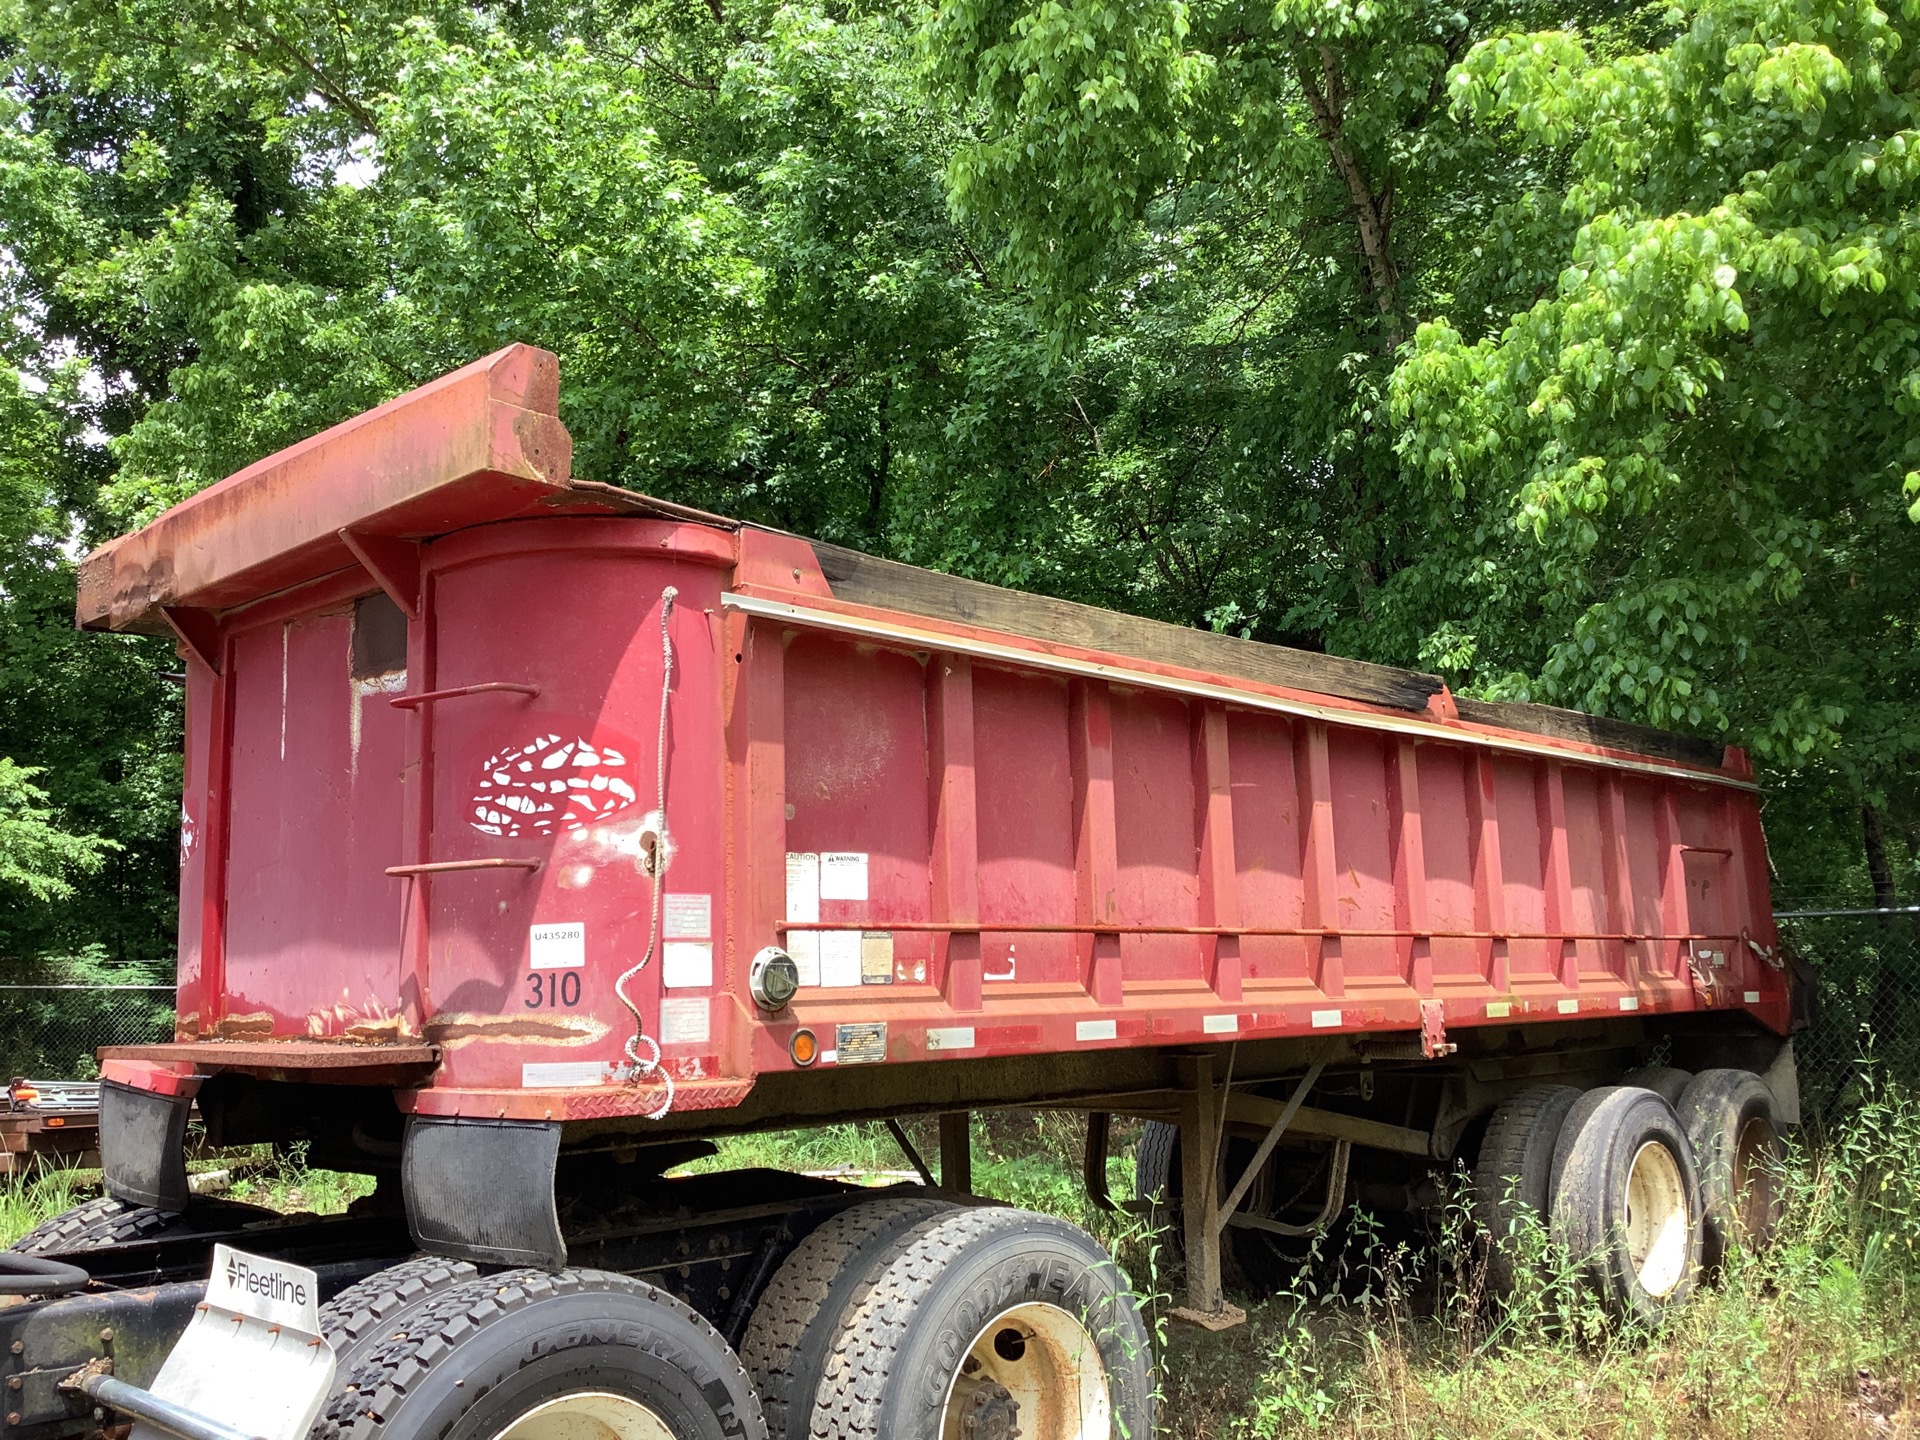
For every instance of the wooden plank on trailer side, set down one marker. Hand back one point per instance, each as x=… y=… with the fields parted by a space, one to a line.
x=868 y=580
x=1560 y=724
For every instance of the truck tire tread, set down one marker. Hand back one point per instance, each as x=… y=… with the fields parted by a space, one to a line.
x=1512 y=1176
x=368 y=1305
x=865 y=1354
x=370 y=1392
x=98 y=1223
x=792 y=1327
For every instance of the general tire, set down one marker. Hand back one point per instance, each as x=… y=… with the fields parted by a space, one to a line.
x=97 y=1224
x=1034 y=1292
x=1512 y=1178
x=478 y=1356
x=1730 y=1120
x=1626 y=1202
x=786 y=1343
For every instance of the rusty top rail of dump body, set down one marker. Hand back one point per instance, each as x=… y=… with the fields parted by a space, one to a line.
x=485 y=444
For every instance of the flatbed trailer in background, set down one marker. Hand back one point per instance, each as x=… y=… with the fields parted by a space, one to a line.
x=536 y=832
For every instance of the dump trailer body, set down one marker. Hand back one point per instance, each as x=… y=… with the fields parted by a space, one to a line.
x=435 y=684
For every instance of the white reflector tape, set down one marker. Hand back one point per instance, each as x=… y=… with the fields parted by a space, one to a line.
x=1569 y=1007
x=1220 y=1025
x=1629 y=1002
x=1096 y=1030
x=950 y=1037
x=1752 y=997
x=1499 y=1009
x=1326 y=1019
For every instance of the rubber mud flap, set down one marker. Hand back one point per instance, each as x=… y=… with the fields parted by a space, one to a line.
x=482 y=1190
x=143 y=1156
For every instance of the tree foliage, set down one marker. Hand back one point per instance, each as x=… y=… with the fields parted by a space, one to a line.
x=1574 y=363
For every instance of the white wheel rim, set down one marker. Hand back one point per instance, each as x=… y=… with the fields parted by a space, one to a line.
x=588 y=1415
x=1657 y=1220
x=1042 y=1360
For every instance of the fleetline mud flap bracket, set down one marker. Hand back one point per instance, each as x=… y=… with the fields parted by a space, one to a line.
x=143 y=1153
x=482 y=1190
x=252 y=1360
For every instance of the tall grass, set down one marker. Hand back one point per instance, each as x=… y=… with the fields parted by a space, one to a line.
x=1819 y=1336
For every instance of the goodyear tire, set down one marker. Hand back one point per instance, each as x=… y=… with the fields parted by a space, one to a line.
x=1512 y=1178
x=793 y=1326
x=987 y=1321
x=1626 y=1202
x=98 y=1224
x=524 y=1355
x=1729 y=1119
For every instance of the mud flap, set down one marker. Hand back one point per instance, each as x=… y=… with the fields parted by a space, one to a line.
x=143 y=1146
x=482 y=1190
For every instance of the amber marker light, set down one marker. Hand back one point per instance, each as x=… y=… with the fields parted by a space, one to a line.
x=803 y=1048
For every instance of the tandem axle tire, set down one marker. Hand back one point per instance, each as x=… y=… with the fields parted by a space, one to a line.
x=985 y=1322
x=524 y=1355
x=1626 y=1202
x=98 y=1224
x=1512 y=1179
x=801 y=1312
x=1729 y=1118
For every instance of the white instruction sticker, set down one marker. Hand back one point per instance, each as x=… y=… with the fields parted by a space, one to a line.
x=839 y=957
x=803 y=886
x=687 y=964
x=557 y=947
x=804 y=947
x=558 y=1074
x=688 y=917
x=684 y=1022
x=268 y=1290
x=843 y=875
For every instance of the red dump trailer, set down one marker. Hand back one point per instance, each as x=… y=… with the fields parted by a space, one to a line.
x=535 y=832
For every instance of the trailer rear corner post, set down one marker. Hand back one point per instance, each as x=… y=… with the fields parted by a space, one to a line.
x=1202 y=1123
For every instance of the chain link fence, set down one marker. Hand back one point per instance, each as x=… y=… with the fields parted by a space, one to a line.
x=1865 y=967
x=55 y=1013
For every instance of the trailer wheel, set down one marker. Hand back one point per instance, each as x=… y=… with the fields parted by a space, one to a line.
x=1663 y=1080
x=795 y=1322
x=1729 y=1118
x=524 y=1355
x=105 y=1221
x=1512 y=1177
x=989 y=1323
x=1626 y=1202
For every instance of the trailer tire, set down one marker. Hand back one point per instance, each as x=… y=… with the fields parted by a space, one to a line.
x=1663 y=1080
x=1626 y=1202
x=105 y=1221
x=984 y=1321
x=525 y=1355
x=1513 y=1175
x=1730 y=1120
x=786 y=1344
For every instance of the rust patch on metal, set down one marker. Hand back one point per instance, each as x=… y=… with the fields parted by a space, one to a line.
x=242 y=1027
x=455 y=1029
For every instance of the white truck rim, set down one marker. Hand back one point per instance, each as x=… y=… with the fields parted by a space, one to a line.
x=1032 y=1368
x=1657 y=1219
x=588 y=1415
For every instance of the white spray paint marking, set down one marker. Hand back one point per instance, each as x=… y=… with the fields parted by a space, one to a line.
x=549 y=785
